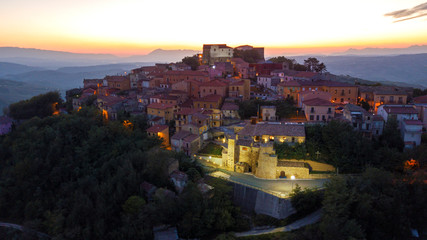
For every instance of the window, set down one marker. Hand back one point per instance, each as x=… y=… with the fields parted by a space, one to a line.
x=317 y=118
x=312 y=110
x=311 y=117
x=293 y=139
x=336 y=91
x=367 y=126
x=342 y=99
x=329 y=110
x=349 y=91
x=391 y=98
x=323 y=118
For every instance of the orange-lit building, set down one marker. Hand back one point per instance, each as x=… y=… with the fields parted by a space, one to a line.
x=340 y=92
x=163 y=110
x=161 y=131
x=208 y=102
x=379 y=95
x=289 y=89
x=216 y=87
x=171 y=77
x=120 y=82
x=191 y=87
x=240 y=89
x=317 y=110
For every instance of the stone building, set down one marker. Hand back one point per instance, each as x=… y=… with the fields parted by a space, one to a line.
x=251 y=150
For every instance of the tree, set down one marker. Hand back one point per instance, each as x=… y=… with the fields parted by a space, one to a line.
x=313 y=65
x=193 y=62
x=41 y=106
x=364 y=105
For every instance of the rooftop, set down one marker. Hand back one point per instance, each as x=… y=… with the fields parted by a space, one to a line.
x=187 y=73
x=161 y=105
x=210 y=98
x=317 y=102
x=157 y=128
x=214 y=83
x=420 y=99
x=229 y=106
x=400 y=110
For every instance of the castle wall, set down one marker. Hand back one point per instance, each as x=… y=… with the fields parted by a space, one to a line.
x=298 y=172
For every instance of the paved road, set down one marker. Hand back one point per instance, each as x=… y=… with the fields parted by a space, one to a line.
x=310 y=219
x=21 y=228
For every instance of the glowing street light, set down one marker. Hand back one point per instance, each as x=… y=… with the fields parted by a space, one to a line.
x=292 y=178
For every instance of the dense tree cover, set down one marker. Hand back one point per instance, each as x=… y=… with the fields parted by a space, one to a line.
x=78 y=176
x=419 y=92
x=249 y=108
x=306 y=200
x=376 y=205
x=292 y=63
x=193 y=62
x=42 y=105
x=249 y=56
x=338 y=144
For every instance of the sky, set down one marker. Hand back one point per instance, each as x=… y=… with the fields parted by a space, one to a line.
x=131 y=27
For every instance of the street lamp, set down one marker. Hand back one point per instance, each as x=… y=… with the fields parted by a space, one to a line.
x=292 y=178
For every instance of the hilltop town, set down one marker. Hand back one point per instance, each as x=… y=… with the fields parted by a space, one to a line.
x=149 y=151
x=195 y=103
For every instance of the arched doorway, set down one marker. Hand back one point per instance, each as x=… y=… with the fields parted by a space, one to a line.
x=282 y=174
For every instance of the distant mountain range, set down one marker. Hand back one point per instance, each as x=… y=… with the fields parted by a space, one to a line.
x=57 y=59
x=415 y=49
x=407 y=69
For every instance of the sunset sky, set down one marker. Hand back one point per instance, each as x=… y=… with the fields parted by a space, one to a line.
x=128 y=27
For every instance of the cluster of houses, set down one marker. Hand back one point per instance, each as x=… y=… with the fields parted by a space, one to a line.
x=187 y=108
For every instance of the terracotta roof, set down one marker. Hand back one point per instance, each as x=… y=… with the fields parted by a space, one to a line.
x=290 y=164
x=214 y=83
x=186 y=111
x=115 y=78
x=229 y=106
x=317 y=102
x=157 y=128
x=180 y=135
x=420 y=99
x=237 y=83
x=189 y=73
x=290 y=83
x=413 y=122
x=273 y=130
x=160 y=105
x=400 y=110
x=190 y=138
x=265 y=76
x=355 y=108
x=200 y=116
x=209 y=98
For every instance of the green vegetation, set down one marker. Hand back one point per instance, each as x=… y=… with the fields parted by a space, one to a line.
x=376 y=205
x=78 y=176
x=211 y=149
x=249 y=108
x=193 y=62
x=42 y=105
x=419 y=92
x=307 y=200
x=292 y=63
